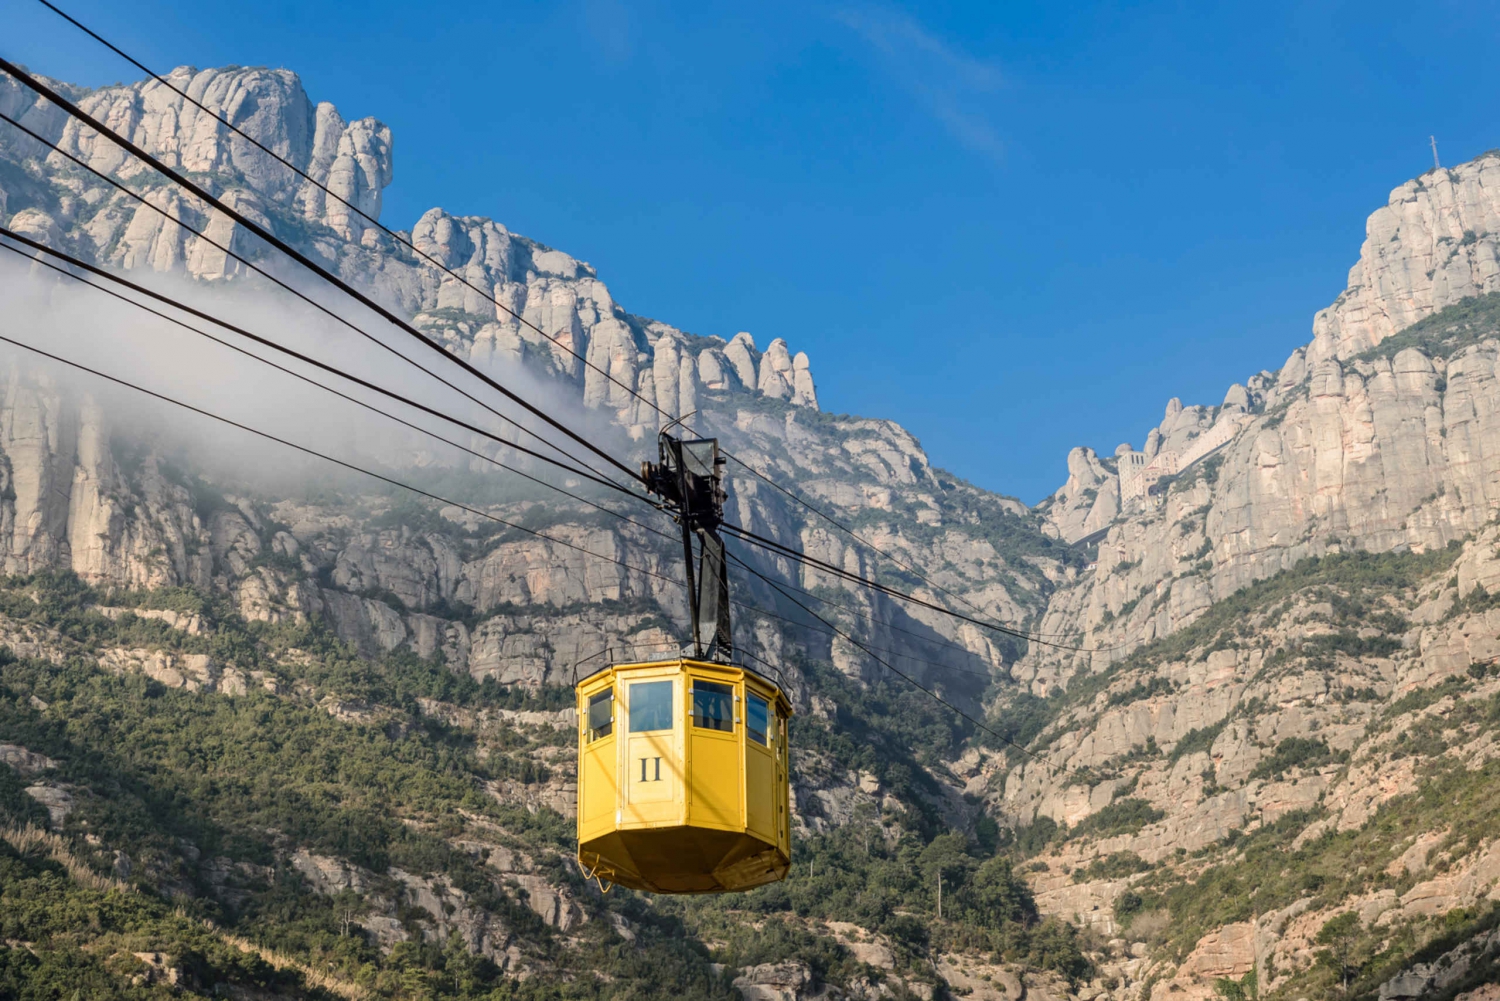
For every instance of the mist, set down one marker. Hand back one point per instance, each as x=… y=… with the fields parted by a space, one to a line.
x=66 y=317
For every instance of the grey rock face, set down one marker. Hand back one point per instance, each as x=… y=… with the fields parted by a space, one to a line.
x=1432 y=245
x=519 y=609
x=504 y=276
x=1087 y=502
x=1378 y=452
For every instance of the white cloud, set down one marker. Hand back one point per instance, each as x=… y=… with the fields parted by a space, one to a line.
x=956 y=88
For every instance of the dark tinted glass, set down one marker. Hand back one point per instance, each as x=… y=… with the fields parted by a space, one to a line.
x=650 y=706
x=757 y=715
x=601 y=714
x=713 y=706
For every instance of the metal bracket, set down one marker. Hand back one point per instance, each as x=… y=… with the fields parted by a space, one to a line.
x=606 y=883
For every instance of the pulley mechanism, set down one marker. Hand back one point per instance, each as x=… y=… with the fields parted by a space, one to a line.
x=690 y=481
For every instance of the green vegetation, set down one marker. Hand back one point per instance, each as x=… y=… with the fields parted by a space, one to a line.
x=1352 y=583
x=1123 y=816
x=1247 y=988
x=1116 y=866
x=1197 y=739
x=1297 y=752
x=1266 y=872
x=1015 y=720
x=65 y=940
x=1142 y=690
x=1447 y=332
x=855 y=874
x=174 y=779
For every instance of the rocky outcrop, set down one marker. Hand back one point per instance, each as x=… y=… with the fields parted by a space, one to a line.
x=526 y=310
x=512 y=300
x=1434 y=244
x=25 y=762
x=1086 y=503
x=1344 y=442
x=1382 y=452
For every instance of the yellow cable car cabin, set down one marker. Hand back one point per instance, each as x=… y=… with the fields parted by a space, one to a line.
x=682 y=777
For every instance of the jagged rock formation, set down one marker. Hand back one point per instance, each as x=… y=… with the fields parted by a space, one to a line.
x=1188 y=719
x=1430 y=247
x=1391 y=447
x=506 y=278
x=640 y=373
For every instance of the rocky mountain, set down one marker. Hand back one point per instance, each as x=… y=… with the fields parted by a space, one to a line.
x=303 y=734
x=427 y=649
x=1285 y=642
x=764 y=404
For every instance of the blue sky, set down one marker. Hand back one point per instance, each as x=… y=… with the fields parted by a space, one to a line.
x=1013 y=227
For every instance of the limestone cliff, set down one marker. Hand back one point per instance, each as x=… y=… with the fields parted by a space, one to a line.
x=505 y=276
x=1356 y=437
x=72 y=509
x=1430 y=247
x=1238 y=713
x=1288 y=596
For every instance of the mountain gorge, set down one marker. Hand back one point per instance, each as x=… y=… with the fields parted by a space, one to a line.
x=306 y=734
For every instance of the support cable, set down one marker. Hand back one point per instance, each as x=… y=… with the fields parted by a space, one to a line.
x=757 y=610
x=488 y=294
x=42 y=248
x=841 y=526
x=887 y=665
x=868 y=617
x=780 y=549
x=399 y=237
x=76 y=262
x=392 y=481
x=318 y=270
x=300 y=294
x=399 y=483
x=198 y=191
x=329 y=389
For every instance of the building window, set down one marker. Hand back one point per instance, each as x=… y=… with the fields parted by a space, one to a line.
x=650 y=706
x=713 y=706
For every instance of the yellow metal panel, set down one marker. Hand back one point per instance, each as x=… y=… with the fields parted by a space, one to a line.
x=760 y=792
x=653 y=786
x=598 y=791
x=715 y=779
x=651 y=769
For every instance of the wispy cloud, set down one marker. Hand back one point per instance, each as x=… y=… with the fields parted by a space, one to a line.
x=610 y=27
x=956 y=88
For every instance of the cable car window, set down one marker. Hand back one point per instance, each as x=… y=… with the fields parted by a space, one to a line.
x=713 y=706
x=601 y=720
x=757 y=713
x=650 y=706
